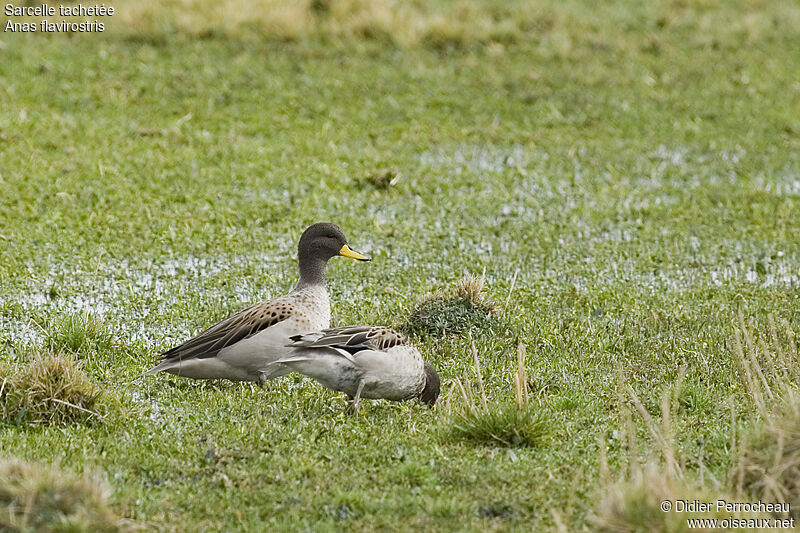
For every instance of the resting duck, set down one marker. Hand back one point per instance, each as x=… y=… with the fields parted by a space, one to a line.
x=364 y=362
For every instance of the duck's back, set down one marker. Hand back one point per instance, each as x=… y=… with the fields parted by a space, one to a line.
x=394 y=374
x=307 y=310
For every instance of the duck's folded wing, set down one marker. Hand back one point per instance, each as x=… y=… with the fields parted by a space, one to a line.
x=228 y=332
x=352 y=339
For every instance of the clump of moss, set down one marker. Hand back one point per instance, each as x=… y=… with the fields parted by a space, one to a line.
x=769 y=464
x=51 y=390
x=41 y=498
x=464 y=308
x=77 y=332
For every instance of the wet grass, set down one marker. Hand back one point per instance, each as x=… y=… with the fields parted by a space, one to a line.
x=76 y=332
x=627 y=176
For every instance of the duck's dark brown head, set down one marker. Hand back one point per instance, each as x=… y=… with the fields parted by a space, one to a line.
x=430 y=392
x=324 y=240
x=318 y=243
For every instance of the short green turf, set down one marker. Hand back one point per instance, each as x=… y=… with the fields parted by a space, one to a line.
x=640 y=182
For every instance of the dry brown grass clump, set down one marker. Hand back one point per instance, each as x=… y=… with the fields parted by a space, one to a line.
x=51 y=390
x=564 y=29
x=204 y=18
x=634 y=505
x=42 y=499
x=768 y=362
x=768 y=468
x=403 y=23
x=454 y=311
x=471 y=289
x=635 y=502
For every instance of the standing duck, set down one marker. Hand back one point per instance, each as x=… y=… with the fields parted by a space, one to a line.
x=241 y=346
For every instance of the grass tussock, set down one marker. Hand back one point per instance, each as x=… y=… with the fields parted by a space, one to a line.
x=512 y=424
x=501 y=425
x=76 y=332
x=46 y=499
x=768 y=467
x=633 y=502
x=767 y=360
x=634 y=505
x=52 y=390
x=462 y=309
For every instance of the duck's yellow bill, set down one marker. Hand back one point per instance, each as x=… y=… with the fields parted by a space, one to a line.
x=352 y=254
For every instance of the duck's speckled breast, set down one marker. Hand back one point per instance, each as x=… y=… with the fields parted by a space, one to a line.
x=313 y=309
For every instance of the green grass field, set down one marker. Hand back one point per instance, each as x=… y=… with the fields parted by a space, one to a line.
x=627 y=176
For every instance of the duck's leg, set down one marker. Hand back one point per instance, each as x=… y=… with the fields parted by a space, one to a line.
x=352 y=404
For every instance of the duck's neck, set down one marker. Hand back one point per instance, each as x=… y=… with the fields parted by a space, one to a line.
x=312 y=272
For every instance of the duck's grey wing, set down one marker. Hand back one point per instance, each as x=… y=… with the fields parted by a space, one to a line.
x=352 y=339
x=231 y=330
